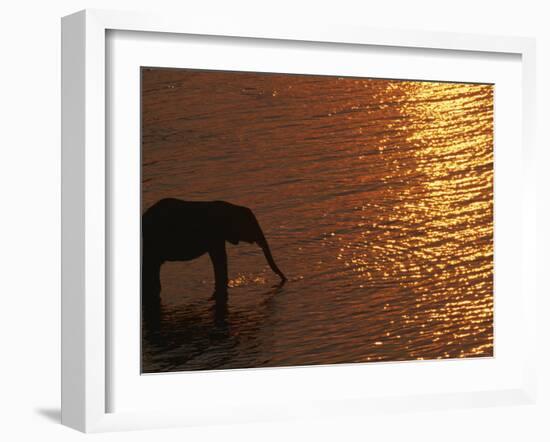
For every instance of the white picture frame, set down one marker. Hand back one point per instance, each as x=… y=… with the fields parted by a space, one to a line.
x=85 y=212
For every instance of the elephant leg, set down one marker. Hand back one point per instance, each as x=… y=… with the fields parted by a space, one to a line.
x=150 y=281
x=218 y=255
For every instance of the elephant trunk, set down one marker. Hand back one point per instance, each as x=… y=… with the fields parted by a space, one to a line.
x=262 y=242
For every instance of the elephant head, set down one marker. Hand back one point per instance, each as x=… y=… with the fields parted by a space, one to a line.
x=242 y=225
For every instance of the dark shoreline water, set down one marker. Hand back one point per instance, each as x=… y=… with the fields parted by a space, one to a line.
x=375 y=195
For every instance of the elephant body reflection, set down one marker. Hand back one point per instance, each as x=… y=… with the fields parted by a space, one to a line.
x=177 y=230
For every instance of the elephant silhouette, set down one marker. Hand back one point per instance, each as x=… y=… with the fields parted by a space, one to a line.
x=177 y=230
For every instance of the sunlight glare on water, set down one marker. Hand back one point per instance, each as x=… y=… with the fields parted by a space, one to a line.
x=376 y=197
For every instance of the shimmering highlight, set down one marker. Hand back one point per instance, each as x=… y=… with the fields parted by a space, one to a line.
x=376 y=196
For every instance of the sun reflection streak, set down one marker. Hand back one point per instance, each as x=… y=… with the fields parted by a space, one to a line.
x=438 y=234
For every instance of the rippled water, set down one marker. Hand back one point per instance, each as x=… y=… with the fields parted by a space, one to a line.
x=376 y=197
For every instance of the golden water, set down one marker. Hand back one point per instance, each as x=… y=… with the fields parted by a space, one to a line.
x=376 y=197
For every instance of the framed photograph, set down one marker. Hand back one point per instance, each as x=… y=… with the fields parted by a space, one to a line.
x=262 y=222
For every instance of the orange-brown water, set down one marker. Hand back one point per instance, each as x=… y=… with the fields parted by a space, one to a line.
x=376 y=197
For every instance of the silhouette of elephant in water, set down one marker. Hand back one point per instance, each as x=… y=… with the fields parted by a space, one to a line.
x=177 y=230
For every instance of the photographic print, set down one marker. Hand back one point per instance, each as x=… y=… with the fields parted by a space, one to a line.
x=293 y=220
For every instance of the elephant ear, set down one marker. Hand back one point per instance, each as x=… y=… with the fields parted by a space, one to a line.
x=241 y=225
x=228 y=219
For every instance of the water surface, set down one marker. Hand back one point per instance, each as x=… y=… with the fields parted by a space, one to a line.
x=376 y=197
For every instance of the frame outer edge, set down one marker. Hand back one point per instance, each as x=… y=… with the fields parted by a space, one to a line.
x=94 y=210
x=73 y=370
x=340 y=33
x=529 y=216
x=83 y=190
x=83 y=222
